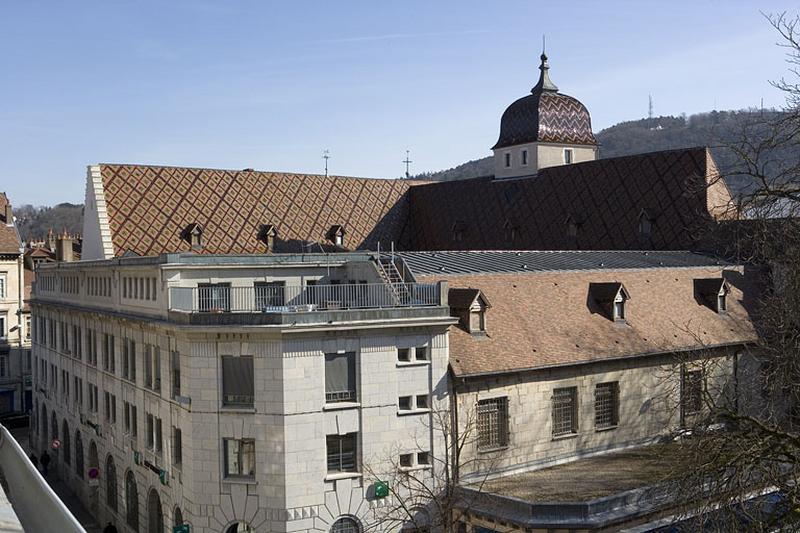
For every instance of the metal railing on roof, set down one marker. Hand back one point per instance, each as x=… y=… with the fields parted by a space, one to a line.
x=273 y=298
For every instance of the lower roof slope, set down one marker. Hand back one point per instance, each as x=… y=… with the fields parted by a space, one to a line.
x=545 y=319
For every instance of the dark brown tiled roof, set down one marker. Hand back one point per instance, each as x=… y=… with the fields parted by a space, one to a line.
x=608 y=195
x=149 y=206
x=546 y=319
x=9 y=238
x=461 y=298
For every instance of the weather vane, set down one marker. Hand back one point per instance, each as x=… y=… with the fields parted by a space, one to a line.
x=407 y=161
x=326 y=154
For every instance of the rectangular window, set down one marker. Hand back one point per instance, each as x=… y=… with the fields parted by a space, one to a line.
x=238 y=388
x=606 y=405
x=130 y=420
x=3 y=366
x=110 y=411
x=214 y=296
x=2 y=286
x=567 y=155
x=109 y=364
x=507 y=157
x=342 y=453
x=404 y=354
x=177 y=447
x=129 y=359
x=152 y=367
x=406 y=460
x=492 y=423
x=565 y=411
x=77 y=348
x=150 y=431
x=524 y=157
x=692 y=391
x=240 y=458
x=340 y=377
x=93 y=398
x=404 y=403
x=421 y=353
x=422 y=401
x=270 y=294
x=175 y=363
x=423 y=458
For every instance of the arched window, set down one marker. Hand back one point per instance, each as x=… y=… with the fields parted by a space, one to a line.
x=155 y=517
x=131 y=501
x=93 y=461
x=65 y=445
x=53 y=426
x=43 y=427
x=78 y=454
x=346 y=524
x=239 y=527
x=111 y=484
x=177 y=517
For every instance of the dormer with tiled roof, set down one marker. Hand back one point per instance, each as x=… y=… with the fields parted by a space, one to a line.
x=543 y=129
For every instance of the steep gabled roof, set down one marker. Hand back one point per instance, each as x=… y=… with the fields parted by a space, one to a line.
x=609 y=195
x=149 y=206
x=9 y=237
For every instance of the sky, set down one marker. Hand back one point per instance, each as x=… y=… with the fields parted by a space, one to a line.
x=271 y=85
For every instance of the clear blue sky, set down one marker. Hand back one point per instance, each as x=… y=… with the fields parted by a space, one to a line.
x=269 y=85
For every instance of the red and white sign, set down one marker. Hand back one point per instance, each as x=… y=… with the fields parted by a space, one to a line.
x=93 y=472
x=56 y=444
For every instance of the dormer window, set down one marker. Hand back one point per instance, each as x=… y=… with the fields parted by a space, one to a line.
x=611 y=298
x=507 y=157
x=510 y=231
x=524 y=158
x=459 y=229
x=572 y=226
x=470 y=306
x=193 y=234
x=568 y=156
x=645 y=225
x=336 y=234
x=713 y=293
x=267 y=234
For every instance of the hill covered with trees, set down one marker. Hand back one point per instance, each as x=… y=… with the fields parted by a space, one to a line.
x=34 y=222
x=718 y=129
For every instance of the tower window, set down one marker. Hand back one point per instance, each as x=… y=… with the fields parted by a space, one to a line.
x=507 y=156
x=567 y=156
x=524 y=158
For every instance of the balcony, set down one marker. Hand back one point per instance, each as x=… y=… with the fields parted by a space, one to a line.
x=220 y=298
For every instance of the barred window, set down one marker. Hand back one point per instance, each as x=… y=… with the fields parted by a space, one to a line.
x=606 y=405
x=692 y=391
x=492 y=423
x=341 y=451
x=565 y=411
x=340 y=377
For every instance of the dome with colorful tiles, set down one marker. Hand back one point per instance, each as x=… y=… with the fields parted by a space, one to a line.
x=545 y=116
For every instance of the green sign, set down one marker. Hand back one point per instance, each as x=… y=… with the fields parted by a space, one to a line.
x=381 y=489
x=183 y=528
x=162 y=476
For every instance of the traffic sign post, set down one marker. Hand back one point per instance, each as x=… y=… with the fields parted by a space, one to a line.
x=56 y=444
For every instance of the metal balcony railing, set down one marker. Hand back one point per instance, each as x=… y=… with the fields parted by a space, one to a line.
x=222 y=298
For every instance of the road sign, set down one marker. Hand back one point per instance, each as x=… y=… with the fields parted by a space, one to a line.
x=56 y=444
x=93 y=472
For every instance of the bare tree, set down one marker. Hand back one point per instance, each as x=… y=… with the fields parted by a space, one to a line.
x=749 y=447
x=425 y=497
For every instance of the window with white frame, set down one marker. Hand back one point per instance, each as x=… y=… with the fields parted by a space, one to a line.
x=568 y=156
x=507 y=159
x=3 y=325
x=524 y=158
x=342 y=453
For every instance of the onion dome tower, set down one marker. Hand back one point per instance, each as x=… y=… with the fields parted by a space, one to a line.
x=543 y=129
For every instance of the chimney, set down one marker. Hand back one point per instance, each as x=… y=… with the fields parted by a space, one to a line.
x=51 y=240
x=64 y=248
x=9 y=214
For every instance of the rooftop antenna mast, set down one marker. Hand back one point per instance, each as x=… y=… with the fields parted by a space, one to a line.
x=407 y=161
x=326 y=154
x=650 y=107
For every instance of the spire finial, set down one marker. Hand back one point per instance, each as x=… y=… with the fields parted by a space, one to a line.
x=545 y=83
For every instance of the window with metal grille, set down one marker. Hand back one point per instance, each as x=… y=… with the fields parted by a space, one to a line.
x=492 y=423
x=692 y=391
x=270 y=294
x=565 y=411
x=342 y=452
x=214 y=296
x=606 y=405
x=345 y=525
x=340 y=377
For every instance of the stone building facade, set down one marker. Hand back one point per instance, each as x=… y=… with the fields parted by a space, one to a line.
x=15 y=352
x=236 y=393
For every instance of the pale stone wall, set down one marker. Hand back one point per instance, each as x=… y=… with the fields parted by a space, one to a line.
x=540 y=155
x=96 y=230
x=649 y=395
x=15 y=345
